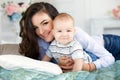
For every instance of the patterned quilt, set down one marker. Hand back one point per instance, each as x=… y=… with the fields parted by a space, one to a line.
x=109 y=73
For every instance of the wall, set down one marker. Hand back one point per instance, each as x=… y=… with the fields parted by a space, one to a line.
x=0 y=25
x=9 y=30
x=84 y=10
x=5 y=1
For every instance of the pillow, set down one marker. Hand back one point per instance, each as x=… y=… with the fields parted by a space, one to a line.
x=11 y=62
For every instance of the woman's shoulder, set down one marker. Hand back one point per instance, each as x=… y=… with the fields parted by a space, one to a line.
x=80 y=33
x=83 y=37
x=78 y=28
x=43 y=43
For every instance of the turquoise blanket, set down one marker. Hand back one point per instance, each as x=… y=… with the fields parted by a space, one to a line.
x=109 y=73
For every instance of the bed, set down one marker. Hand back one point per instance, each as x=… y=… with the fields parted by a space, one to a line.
x=21 y=71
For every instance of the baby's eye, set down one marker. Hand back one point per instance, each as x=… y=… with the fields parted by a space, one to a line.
x=68 y=30
x=59 y=31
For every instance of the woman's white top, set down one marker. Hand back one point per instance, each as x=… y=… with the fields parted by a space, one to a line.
x=95 y=45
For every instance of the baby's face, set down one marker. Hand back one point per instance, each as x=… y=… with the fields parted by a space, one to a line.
x=63 y=31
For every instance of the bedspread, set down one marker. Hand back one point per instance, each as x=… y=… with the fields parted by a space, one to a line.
x=109 y=73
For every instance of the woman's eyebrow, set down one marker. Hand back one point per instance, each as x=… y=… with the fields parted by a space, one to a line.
x=43 y=21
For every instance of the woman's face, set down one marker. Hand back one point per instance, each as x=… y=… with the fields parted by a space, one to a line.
x=43 y=25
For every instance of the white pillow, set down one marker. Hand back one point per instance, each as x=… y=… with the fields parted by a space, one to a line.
x=11 y=62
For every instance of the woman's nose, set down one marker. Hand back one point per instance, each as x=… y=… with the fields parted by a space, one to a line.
x=41 y=31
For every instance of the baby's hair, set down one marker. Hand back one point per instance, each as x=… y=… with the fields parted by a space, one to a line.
x=64 y=16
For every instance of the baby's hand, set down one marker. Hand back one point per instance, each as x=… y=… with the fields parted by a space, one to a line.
x=66 y=62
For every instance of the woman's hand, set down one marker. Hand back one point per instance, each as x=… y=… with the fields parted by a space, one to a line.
x=88 y=66
x=66 y=63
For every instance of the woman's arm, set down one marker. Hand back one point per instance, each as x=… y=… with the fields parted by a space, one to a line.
x=46 y=58
x=70 y=63
x=89 y=44
x=88 y=66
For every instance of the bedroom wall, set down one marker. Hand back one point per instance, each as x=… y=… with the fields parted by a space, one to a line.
x=98 y=11
x=85 y=12
x=7 y=28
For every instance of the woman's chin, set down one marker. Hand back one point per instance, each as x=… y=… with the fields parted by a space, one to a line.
x=48 y=39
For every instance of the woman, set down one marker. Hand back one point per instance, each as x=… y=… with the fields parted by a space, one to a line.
x=36 y=33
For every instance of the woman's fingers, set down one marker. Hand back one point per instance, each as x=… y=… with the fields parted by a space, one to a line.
x=70 y=62
x=66 y=67
x=66 y=62
x=62 y=60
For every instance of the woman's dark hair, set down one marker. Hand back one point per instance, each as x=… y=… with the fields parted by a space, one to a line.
x=29 y=44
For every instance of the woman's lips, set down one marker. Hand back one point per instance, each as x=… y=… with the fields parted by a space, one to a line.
x=47 y=35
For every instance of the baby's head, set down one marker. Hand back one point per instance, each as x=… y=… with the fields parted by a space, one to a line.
x=63 y=28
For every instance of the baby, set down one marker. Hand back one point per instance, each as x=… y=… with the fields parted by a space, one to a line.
x=64 y=43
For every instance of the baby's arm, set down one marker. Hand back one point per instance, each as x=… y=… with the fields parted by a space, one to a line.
x=77 y=64
x=46 y=58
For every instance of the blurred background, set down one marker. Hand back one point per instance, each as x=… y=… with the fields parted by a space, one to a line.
x=93 y=16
